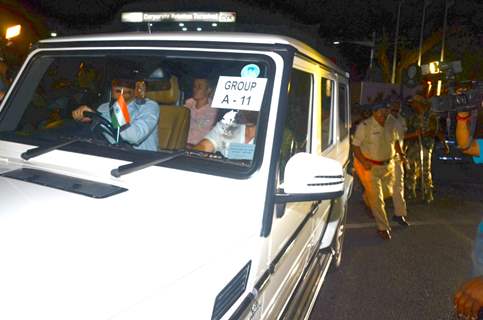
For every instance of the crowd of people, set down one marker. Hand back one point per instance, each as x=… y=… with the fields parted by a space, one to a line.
x=392 y=152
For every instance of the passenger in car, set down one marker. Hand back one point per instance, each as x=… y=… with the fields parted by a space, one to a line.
x=236 y=128
x=142 y=130
x=203 y=116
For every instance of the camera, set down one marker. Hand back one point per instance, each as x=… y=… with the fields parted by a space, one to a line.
x=464 y=99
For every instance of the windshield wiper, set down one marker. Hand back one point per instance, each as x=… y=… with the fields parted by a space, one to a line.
x=37 y=151
x=139 y=165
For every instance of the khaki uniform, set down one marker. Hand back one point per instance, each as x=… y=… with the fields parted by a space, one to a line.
x=426 y=121
x=399 y=126
x=377 y=144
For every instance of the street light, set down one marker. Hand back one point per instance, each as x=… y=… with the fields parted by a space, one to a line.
x=394 y=58
x=421 y=33
x=12 y=32
x=447 y=4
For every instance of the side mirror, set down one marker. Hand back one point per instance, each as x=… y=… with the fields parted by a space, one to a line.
x=311 y=177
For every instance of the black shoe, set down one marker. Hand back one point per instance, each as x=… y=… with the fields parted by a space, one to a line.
x=401 y=220
x=384 y=234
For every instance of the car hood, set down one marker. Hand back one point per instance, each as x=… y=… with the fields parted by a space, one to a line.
x=68 y=256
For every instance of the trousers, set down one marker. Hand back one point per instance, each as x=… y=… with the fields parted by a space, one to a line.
x=414 y=168
x=400 y=208
x=378 y=182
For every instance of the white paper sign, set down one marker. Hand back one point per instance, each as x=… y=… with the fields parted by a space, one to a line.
x=239 y=93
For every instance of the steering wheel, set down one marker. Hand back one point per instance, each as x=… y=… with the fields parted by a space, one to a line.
x=97 y=121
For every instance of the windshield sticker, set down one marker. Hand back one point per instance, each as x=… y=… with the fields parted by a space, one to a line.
x=239 y=93
x=240 y=151
x=250 y=71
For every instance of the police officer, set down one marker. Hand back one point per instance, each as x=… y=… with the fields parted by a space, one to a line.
x=374 y=150
x=422 y=128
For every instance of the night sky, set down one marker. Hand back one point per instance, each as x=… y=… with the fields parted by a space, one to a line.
x=341 y=18
x=325 y=20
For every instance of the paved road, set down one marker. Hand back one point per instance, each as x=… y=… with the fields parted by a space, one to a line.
x=414 y=275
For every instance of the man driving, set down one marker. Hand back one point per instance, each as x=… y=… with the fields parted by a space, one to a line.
x=139 y=125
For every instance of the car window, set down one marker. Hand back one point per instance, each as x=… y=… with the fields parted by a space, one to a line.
x=222 y=95
x=327 y=101
x=343 y=114
x=295 y=133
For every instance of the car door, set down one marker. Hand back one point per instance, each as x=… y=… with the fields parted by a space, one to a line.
x=324 y=141
x=290 y=244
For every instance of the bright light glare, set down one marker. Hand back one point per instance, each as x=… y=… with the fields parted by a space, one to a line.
x=336 y=42
x=198 y=29
x=132 y=17
x=53 y=34
x=225 y=17
x=185 y=29
x=438 y=90
x=181 y=24
x=214 y=24
x=12 y=32
x=434 y=67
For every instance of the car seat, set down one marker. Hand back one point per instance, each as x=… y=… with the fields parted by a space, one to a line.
x=174 y=120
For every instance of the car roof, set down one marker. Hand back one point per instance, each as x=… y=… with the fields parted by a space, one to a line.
x=227 y=37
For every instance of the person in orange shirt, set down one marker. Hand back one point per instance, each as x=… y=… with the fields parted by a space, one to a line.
x=468 y=299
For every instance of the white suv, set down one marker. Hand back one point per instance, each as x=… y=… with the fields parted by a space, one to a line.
x=93 y=227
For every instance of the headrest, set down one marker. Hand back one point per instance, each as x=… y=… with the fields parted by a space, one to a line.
x=158 y=73
x=167 y=96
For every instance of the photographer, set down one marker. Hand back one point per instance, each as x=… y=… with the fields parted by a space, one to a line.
x=466 y=143
x=468 y=299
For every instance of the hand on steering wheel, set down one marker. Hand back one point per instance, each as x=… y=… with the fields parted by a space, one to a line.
x=86 y=115
x=97 y=117
x=78 y=114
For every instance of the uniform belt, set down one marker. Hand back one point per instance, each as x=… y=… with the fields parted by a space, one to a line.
x=379 y=163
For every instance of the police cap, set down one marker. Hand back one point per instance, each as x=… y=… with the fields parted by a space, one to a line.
x=378 y=105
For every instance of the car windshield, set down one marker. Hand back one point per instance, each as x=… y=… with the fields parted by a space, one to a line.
x=208 y=104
